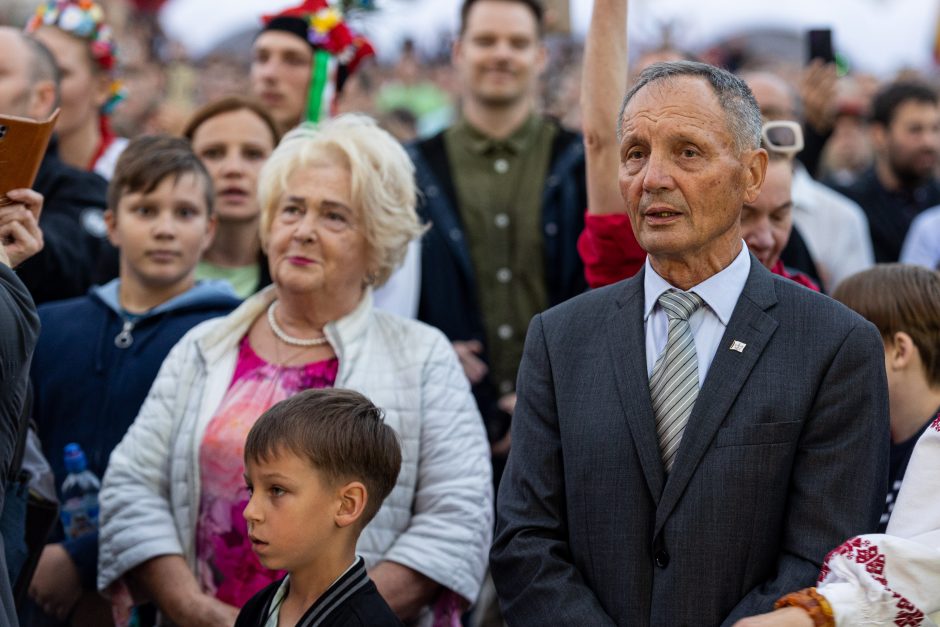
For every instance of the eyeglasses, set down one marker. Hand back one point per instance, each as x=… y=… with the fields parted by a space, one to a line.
x=783 y=136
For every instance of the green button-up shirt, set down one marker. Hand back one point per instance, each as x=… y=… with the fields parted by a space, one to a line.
x=499 y=185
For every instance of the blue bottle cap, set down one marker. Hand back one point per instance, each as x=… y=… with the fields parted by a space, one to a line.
x=75 y=458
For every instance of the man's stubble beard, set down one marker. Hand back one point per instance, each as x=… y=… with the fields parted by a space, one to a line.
x=909 y=176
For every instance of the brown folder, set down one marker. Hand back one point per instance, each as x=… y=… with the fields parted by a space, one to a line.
x=23 y=143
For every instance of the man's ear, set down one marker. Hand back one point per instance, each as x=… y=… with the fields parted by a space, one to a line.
x=42 y=100
x=755 y=169
x=352 y=502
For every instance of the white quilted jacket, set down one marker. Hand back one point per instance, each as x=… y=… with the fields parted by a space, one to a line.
x=438 y=518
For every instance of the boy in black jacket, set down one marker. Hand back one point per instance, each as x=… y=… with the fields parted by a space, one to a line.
x=318 y=466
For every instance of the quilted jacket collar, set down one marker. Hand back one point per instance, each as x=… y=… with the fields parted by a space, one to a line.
x=224 y=338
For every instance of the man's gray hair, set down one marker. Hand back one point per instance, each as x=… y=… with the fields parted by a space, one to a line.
x=734 y=96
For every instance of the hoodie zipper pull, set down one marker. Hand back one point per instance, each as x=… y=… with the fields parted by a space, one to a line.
x=124 y=339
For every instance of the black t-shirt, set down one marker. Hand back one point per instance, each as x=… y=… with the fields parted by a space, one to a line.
x=897 y=466
x=890 y=213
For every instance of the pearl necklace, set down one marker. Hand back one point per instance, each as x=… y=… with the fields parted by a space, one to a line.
x=287 y=339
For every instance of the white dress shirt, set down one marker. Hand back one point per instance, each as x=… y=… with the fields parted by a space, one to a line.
x=907 y=580
x=720 y=292
x=834 y=228
x=401 y=293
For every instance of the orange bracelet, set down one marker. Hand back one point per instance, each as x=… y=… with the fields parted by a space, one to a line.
x=813 y=603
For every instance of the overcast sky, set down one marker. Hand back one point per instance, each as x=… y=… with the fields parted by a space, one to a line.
x=877 y=35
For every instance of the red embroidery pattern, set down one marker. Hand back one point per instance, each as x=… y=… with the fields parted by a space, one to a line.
x=862 y=552
x=865 y=553
x=908 y=615
x=935 y=425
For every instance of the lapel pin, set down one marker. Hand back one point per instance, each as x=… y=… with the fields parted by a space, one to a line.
x=738 y=346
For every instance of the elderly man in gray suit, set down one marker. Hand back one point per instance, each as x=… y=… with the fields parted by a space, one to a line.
x=689 y=443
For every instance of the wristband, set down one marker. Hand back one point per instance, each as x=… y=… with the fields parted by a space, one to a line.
x=813 y=603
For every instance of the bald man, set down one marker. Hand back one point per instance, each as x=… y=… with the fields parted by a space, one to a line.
x=72 y=219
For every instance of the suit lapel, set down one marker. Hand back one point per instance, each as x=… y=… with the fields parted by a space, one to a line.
x=627 y=345
x=750 y=325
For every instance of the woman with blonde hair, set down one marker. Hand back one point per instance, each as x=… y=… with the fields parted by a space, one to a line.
x=338 y=214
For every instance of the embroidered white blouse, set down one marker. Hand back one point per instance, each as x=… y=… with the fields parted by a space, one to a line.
x=894 y=578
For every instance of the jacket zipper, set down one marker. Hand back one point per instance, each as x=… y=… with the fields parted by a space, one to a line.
x=124 y=339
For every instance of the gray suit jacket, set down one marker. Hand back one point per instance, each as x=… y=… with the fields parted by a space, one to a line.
x=784 y=457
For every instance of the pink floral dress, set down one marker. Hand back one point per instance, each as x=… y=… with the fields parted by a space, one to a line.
x=226 y=566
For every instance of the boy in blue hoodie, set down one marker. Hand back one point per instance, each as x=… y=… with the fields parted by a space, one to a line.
x=97 y=355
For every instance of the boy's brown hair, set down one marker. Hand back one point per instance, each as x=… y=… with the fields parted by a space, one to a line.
x=340 y=432
x=900 y=298
x=147 y=160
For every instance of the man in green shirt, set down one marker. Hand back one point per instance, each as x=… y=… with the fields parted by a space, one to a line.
x=503 y=190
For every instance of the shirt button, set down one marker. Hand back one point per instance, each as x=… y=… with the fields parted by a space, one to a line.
x=501 y=220
x=504 y=331
x=455 y=234
x=551 y=229
x=661 y=558
x=504 y=275
x=501 y=166
x=505 y=387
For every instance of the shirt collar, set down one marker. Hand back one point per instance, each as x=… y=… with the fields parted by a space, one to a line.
x=719 y=291
x=479 y=143
x=354 y=577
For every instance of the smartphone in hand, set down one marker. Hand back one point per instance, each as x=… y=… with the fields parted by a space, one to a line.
x=819 y=45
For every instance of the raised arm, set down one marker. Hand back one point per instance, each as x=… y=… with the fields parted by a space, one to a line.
x=607 y=245
x=603 y=83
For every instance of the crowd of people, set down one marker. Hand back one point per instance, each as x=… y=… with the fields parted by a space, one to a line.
x=526 y=335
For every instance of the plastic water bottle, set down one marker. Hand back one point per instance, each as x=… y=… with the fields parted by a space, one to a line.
x=79 y=494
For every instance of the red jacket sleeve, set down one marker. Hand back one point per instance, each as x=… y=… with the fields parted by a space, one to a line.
x=609 y=249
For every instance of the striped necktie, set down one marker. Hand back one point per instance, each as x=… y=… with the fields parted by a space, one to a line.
x=674 y=381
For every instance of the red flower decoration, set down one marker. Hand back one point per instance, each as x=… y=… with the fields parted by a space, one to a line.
x=339 y=39
x=301 y=11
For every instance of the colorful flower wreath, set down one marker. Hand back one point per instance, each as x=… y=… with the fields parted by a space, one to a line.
x=337 y=50
x=85 y=20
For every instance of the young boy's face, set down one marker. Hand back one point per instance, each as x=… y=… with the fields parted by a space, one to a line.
x=291 y=514
x=162 y=234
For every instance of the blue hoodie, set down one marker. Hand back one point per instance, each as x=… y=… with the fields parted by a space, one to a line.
x=92 y=370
